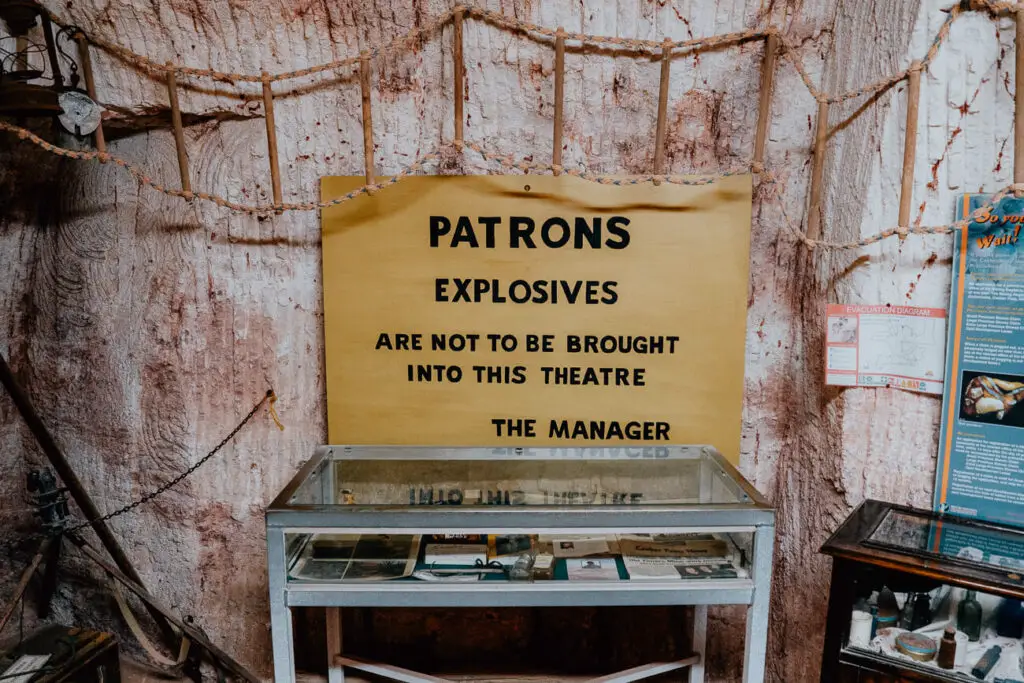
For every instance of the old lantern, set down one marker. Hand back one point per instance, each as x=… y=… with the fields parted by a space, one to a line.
x=32 y=82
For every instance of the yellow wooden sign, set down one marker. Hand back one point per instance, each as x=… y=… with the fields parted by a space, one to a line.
x=511 y=310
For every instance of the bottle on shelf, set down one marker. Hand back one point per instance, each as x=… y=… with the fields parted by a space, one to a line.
x=947 y=648
x=922 y=612
x=907 y=615
x=1010 y=618
x=968 y=616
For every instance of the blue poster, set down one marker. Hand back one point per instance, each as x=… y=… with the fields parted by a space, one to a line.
x=980 y=469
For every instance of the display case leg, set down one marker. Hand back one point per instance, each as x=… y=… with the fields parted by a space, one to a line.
x=280 y=614
x=757 y=613
x=837 y=619
x=699 y=642
x=335 y=670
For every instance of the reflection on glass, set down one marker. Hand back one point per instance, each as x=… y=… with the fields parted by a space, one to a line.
x=330 y=558
x=514 y=477
x=976 y=543
x=335 y=557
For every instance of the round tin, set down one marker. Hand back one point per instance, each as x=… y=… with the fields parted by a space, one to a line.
x=916 y=646
x=886 y=620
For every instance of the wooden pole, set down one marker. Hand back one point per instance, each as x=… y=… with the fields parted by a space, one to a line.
x=179 y=130
x=659 y=139
x=154 y=605
x=818 y=171
x=460 y=76
x=1018 y=110
x=26 y=576
x=910 y=145
x=268 y=112
x=764 y=110
x=556 y=148
x=364 y=80
x=90 y=88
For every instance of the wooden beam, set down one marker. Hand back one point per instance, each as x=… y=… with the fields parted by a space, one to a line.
x=910 y=145
x=818 y=171
x=364 y=81
x=764 y=110
x=90 y=88
x=459 y=73
x=194 y=634
x=389 y=671
x=556 y=147
x=179 y=130
x=26 y=576
x=659 y=138
x=268 y=112
x=643 y=671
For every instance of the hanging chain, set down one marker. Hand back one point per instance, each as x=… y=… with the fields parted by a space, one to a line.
x=269 y=396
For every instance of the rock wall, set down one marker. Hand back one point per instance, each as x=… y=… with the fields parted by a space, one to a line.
x=144 y=326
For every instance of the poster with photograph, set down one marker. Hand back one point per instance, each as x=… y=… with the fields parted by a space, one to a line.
x=980 y=469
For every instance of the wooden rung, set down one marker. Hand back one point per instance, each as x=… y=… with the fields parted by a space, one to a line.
x=910 y=145
x=268 y=112
x=459 y=73
x=659 y=139
x=556 y=148
x=764 y=110
x=818 y=171
x=1018 y=109
x=90 y=89
x=364 y=81
x=179 y=131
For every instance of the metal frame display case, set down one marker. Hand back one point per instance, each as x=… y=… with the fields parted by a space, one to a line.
x=406 y=491
x=913 y=552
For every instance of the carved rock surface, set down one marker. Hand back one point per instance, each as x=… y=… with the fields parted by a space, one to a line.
x=143 y=326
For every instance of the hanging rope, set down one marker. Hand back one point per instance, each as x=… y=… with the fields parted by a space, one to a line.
x=635 y=46
x=170 y=71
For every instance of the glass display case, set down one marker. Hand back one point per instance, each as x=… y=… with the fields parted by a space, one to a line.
x=919 y=596
x=377 y=526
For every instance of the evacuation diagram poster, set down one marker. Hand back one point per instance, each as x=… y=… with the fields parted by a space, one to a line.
x=980 y=470
x=886 y=346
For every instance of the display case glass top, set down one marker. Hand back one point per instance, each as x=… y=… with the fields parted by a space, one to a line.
x=384 y=476
x=949 y=538
x=954 y=549
x=926 y=597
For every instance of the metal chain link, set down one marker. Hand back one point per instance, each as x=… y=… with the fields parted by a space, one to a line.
x=269 y=396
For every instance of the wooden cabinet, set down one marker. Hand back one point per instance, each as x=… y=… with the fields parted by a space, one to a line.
x=912 y=552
